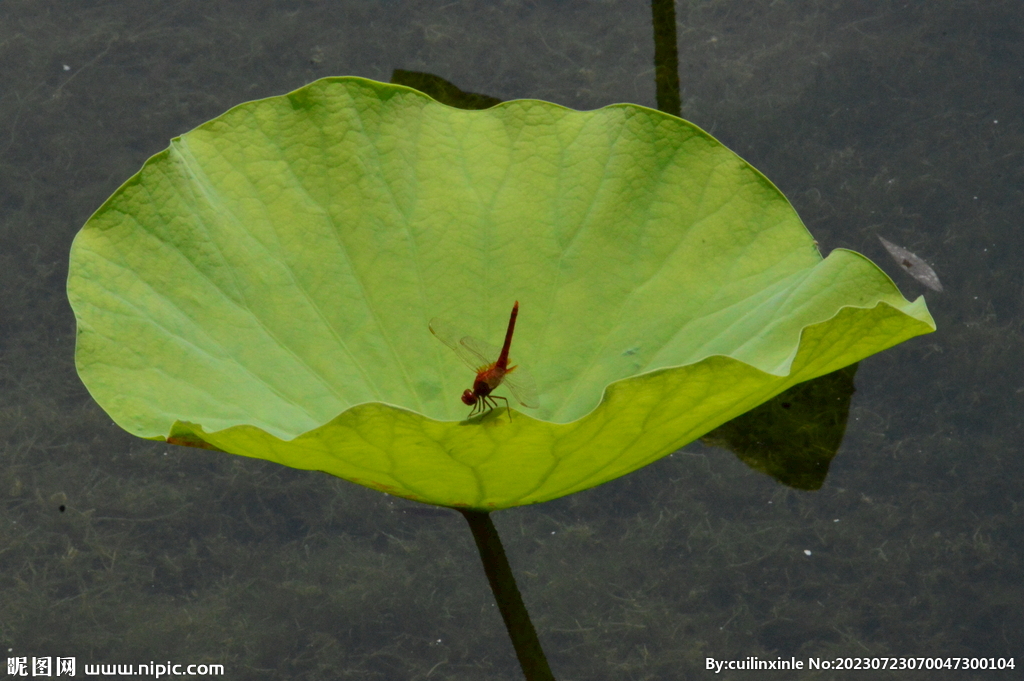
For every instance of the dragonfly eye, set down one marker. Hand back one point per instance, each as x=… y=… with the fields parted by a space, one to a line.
x=468 y=397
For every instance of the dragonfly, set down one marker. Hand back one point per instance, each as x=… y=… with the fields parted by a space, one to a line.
x=491 y=366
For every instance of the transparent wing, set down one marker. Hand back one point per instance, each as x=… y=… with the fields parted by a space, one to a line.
x=522 y=386
x=482 y=349
x=474 y=354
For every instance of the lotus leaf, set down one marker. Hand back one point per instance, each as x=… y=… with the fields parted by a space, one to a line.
x=264 y=287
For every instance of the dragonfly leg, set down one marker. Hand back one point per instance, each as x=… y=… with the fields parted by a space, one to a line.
x=504 y=399
x=488 y=402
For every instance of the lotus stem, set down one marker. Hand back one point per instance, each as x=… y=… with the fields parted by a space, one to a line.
x=666 y=57
x=506 y=593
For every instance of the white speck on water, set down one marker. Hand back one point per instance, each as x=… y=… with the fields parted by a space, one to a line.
x=807 y=552
x=67 y=68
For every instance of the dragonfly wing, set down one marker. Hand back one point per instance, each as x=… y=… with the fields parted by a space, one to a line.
x=468 y=352
x=482 y=350
x=522 y=386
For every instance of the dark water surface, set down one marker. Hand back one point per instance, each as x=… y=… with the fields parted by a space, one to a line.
x=898 y=119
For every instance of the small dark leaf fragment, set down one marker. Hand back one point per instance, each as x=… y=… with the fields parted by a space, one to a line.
x=915 y=266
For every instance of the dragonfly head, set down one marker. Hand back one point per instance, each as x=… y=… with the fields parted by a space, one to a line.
x=468 y=397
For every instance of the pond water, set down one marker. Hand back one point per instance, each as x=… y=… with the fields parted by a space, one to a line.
x=876 y=119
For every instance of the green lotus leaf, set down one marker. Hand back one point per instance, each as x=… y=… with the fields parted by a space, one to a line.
x=264 y=287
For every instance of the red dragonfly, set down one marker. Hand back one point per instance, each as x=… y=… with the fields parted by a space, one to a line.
x=490 y=372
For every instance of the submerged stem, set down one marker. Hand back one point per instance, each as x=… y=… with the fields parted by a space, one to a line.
x=506 y=593
x=666 y=57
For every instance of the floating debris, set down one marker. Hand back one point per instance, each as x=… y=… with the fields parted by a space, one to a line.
x=915 y=266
